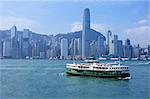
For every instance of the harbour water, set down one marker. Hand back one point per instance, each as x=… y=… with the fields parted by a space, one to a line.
x=46 y=79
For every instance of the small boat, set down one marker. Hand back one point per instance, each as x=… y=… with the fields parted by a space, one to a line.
x=115 y=63
x=94 y=68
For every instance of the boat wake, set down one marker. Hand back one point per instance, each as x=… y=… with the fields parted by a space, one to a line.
x=125 y=78
x=62 y=74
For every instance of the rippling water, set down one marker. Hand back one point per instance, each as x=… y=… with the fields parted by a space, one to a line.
x=46 y=79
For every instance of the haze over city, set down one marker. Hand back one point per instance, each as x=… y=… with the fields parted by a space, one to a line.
x=127 y=19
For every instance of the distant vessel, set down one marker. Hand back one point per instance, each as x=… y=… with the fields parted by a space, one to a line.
x=94 y=68
x=115 y=63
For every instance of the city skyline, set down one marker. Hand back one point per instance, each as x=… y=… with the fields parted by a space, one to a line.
x=74 y=45
x=122 y=18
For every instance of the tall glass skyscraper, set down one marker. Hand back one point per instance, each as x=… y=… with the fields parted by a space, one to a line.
x=86 y=29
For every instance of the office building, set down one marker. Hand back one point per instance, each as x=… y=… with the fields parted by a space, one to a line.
x=128 y=49
x=88 y=35
x=6 y=49
x=1 y=48
x=120 y=48
x=113 y=45
x=100 y=46
x=85 y=35
x=109 y=35
x=25 y=43
x=64 y=49
x=136 y=51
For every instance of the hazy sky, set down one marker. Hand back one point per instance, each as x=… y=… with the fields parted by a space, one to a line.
x=127 y=18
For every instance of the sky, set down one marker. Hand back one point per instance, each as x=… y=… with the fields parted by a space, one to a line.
x=126 y=18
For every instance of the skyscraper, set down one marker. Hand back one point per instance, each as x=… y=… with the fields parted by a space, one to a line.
x=77 y=46
x=64 y=49
x=25 y=43
x=93 y=49
x=100 y=46
x=71 y=48
x=113 y=45
x=1 y=48
x=120 y=48
x=109 y=34
x=6 y=48
x=13 y=31
x=88 y=35
x=127 y=49
x=14 y=43
x=136 y=51
x=86 y=29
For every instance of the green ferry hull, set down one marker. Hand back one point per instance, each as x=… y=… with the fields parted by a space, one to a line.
x=98 y=74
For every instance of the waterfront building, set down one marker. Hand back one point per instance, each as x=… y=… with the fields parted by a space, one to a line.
x=109 y=35
x=20 y=40
x=120 y=48
x=100 y=46
x=64 y=49
x=88 y=35
x=76 y=47
x=35 y=53
x=93 y=49
x=14 y=42
x=6 y=49
x=42 y=55
x=136 y=51
x=113 y=45
x=71 y=48
x=1 y=48
x=85 y=31
x=25 y=43
x=13 y=31
x=128 y=49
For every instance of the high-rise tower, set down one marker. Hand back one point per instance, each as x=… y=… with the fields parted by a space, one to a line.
x=64 y=49
x=86 y=28
x=86 y=19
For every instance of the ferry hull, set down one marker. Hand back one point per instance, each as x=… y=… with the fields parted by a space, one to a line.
x=99 y=74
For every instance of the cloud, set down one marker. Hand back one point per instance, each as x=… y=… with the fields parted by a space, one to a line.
x=139 y=29
x=21 y=23
x=143 y=22
x=77 y=26
x=139 y=35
